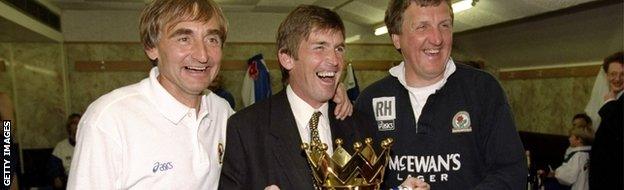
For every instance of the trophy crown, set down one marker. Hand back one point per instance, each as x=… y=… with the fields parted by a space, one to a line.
x=363 y=169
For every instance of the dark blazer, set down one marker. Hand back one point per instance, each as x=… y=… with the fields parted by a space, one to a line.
x=606 y=160
x=263 y=147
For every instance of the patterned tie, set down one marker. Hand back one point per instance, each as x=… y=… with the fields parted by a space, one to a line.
x=314 y=133
x=314 y=137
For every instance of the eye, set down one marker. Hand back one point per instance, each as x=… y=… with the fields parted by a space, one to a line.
x=447 y=25
x=318 y=48
x=214 y=40
x=183 y=39
x=421 y=27
x=340 y=49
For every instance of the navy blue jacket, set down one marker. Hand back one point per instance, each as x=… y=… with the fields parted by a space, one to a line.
x=466 y=136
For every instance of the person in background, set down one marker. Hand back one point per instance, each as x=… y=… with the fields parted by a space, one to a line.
x=216 y=87
x=612 y=66
x=62 y=154
x=606 y=169
x=452 y=117
x=581 y=120
x=574 y=171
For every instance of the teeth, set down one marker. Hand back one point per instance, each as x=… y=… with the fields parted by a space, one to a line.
x=196 y=68
x=326 y=74
x=432 y=51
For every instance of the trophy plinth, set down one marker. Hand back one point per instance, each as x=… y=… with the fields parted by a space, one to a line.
x=361 y=170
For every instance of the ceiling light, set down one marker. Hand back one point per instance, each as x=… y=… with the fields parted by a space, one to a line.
x=462 y=6
x=352 y=38
x=381 y=30
x=457 y=7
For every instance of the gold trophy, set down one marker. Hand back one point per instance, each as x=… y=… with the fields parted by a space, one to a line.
x=362 y=170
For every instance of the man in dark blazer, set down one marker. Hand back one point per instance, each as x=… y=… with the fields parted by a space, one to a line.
x=605 y=163
x=263 y=144
x=263 y=147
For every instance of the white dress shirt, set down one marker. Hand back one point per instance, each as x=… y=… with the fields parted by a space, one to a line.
x=303 y=113
x=141 y=137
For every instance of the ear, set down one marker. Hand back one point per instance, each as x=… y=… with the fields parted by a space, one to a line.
x=396 y=41
x=152 y=53
x=287 y=61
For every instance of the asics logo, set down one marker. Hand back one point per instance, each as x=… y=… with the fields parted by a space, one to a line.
x=162 y=166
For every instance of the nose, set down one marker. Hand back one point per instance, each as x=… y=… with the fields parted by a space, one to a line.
x=334 y=58
x=200 y=53
x=435 y=36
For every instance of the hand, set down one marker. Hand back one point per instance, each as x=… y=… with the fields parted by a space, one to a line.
x=415 y=184
x=272 y=187
x=344 y=108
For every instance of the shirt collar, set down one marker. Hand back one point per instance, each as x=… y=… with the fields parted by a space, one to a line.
x=399 y=72
x=580 y=148
x=301 y=109
x=166 y=104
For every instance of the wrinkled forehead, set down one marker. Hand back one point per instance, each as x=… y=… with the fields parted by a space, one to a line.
x=326 y=31
x=415 y=11
x=190 y=17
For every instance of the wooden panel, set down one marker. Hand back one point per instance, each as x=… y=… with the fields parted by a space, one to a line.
x=2 y=66
x=111 y=66
x=581 y=71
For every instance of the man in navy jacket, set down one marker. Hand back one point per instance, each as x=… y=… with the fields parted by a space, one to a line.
x=452 y=124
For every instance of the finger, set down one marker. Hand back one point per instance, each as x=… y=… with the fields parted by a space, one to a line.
x=337 y=98
x=339 y=105
x=421 y=183
x=350 y=110
x=409 y=182
x=344 y=110
x=337 y=110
